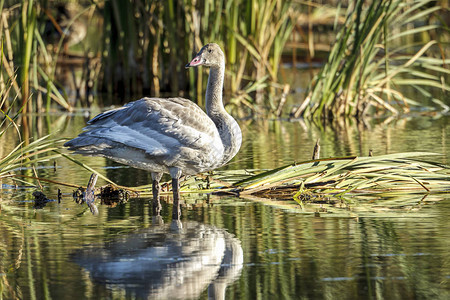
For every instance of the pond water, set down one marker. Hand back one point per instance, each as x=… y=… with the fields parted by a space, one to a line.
x=231 y=247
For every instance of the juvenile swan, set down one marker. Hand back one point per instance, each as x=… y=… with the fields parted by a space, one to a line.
x=172 y=135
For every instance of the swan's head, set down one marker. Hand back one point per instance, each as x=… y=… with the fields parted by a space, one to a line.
x=210 y=56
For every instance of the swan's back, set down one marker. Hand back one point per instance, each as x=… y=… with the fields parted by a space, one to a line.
x=154 y=134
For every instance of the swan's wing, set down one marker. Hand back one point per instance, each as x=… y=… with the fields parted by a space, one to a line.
x=155 y=125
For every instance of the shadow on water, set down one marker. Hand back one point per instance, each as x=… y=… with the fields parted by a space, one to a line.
x=178 y=260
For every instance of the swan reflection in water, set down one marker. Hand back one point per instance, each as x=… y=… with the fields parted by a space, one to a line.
x=167 y=261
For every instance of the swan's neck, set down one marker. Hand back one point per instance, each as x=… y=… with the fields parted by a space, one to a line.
x=214 y=103
x=229 y=130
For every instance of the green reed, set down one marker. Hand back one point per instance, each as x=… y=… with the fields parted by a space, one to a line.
x=376 y=53
x=152 y=41
x=28 y=152
x=145 y=45
x=28 y=23
x=25 y=59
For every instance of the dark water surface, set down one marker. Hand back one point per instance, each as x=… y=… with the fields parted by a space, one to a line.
x=227 y=246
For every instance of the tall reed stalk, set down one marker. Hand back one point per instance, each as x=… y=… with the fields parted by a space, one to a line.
x=375 y=53
x=27 y=25
x=150 y=42
x=147 y=43
x=26 y=51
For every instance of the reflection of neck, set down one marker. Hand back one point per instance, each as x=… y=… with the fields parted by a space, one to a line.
x=217 y=290
x=214 y=104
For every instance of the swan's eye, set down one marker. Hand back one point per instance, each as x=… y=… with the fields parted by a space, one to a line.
x=209 y=50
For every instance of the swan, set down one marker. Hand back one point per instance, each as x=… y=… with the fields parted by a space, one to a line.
x=168 y=135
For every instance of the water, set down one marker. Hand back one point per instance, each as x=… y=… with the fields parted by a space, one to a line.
x=227 y=246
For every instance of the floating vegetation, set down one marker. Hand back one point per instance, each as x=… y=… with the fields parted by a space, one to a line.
x=400 y=180
x=110 y=195
x=339 y=176
x=385 y=175
x=40 y=200
x=387 y=183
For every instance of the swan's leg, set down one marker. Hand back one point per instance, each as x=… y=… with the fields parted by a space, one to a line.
x=156 y=189
x=176 y=211
x=175 y=173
